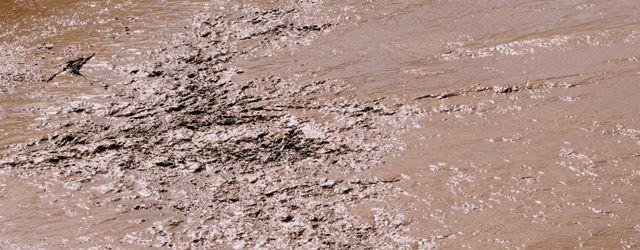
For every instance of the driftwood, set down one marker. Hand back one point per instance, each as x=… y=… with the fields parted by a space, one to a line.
x=73 y=66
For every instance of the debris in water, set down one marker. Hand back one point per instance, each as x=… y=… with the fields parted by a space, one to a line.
x=73 y=66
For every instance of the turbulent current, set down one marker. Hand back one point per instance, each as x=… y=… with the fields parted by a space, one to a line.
x=319 y=124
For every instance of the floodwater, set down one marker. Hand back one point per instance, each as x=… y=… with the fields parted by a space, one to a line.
x=40 y=36
x=526 y=133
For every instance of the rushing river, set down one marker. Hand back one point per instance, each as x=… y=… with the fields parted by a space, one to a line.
x=453 y=124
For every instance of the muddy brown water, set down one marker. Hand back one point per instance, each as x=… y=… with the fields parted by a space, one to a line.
x=45 y=34
x=529 y=133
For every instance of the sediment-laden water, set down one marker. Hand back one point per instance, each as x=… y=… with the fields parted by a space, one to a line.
x=320 y=124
